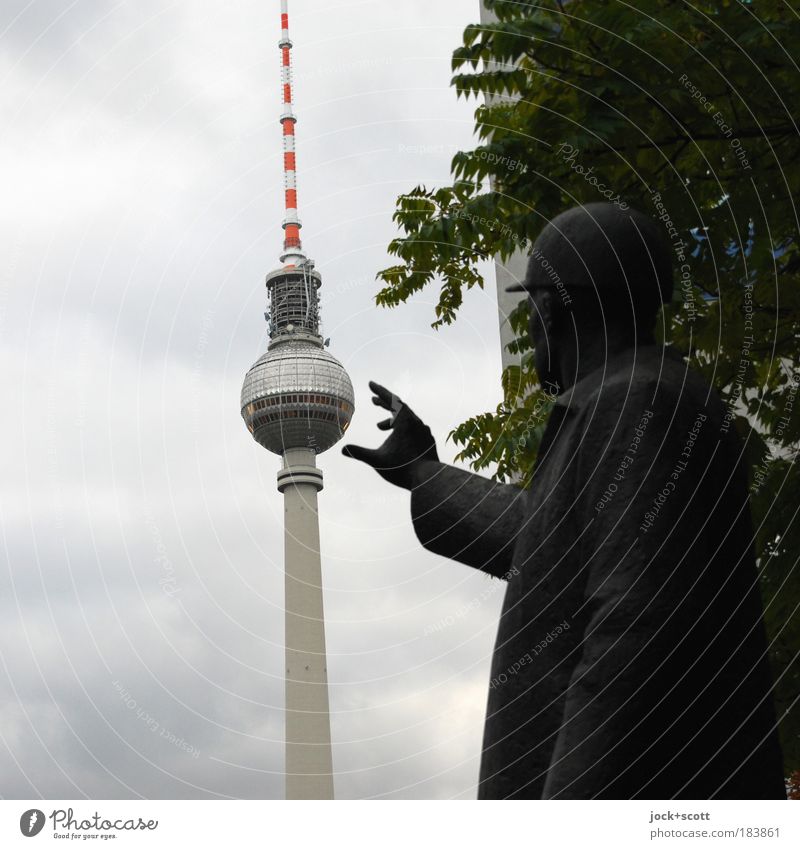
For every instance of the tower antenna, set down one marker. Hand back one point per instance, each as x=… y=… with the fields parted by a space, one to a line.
x=292 y=245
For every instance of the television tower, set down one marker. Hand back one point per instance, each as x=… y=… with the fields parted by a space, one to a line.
x=297 y=401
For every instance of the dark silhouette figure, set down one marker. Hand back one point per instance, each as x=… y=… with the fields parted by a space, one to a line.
x=631 y=656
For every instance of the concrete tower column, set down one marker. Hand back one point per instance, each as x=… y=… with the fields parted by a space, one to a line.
x=309 y=766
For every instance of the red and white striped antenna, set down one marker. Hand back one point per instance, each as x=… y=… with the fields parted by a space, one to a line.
x=293 y=254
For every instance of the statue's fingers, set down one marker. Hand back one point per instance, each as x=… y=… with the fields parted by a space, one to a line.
x=378 y=389
x=357 y=452
x=386 y=424
x=384 y=397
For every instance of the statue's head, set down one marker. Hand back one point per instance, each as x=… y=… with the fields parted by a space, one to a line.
x=596 y=271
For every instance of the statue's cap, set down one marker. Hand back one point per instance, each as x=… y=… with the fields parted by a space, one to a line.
x=604 y=247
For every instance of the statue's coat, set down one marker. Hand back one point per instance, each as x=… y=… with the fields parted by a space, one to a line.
x=658 y=686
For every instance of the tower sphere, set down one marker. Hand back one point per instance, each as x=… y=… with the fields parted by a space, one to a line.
x=297 y=395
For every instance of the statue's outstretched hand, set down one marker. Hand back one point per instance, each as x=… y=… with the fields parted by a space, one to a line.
x=409 y=443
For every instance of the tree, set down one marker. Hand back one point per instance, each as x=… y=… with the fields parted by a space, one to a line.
x=683 y=110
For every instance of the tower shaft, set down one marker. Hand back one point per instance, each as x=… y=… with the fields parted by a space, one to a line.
x=309 y=766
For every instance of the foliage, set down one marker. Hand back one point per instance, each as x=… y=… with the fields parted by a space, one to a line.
x=683 y=110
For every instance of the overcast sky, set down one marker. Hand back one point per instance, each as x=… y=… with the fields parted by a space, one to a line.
x=141 y=625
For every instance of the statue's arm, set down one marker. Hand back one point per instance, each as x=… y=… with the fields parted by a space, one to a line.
x=466 y=517
x=456 y=514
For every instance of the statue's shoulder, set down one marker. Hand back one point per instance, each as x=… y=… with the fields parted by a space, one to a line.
x=648 y=377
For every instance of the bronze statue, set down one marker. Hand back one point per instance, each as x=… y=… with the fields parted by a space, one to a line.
x=630 y=659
